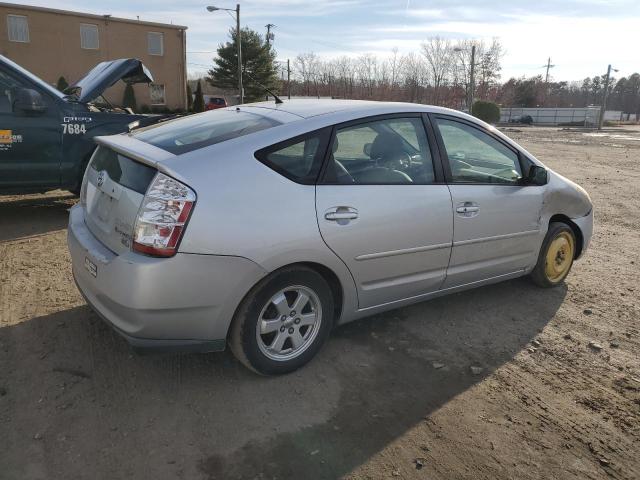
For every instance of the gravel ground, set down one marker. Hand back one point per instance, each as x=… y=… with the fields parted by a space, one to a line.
x=495 y=383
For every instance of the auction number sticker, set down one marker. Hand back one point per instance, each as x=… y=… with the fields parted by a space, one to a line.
x=74 y=128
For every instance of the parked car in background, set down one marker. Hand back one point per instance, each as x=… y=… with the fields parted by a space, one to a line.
x=46 y=137
x=523 y=119
x=215 y=103
x=266 y=225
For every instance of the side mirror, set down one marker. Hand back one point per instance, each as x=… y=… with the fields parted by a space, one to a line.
x=537 y=175
x=367 y=149
x=29 y=101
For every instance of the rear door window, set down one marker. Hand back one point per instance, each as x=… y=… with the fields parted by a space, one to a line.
x=198 y=131
x=381 y=152
x=299 y=158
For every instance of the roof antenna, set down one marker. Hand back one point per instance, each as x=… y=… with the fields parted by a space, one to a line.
x=277 y=98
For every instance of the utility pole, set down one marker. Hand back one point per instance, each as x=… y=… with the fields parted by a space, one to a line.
x=603 y=109
x=212 y=8
x=472 y=77
x=239 y=42
x=546 y=78
x=289 y=78
x=270 y=36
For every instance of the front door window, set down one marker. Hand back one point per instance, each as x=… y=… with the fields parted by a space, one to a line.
x=475 y=157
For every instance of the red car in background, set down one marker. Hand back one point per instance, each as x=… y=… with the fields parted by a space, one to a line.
x=215 y=102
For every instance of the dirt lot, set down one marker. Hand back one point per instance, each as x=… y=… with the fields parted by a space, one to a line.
x=390 y=397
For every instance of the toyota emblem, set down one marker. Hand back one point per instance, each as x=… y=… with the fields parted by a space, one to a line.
x=100 y=178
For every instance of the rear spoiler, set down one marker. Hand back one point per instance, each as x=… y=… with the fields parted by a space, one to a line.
x=153 y=119
x=135 y=149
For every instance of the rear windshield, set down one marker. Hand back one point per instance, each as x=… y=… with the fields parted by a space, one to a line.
x=123 y=170
x=198 y=131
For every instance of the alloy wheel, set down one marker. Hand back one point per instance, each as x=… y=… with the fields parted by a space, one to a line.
x=289 y=323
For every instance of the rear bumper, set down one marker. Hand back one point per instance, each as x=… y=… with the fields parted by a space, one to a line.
x=182 y=303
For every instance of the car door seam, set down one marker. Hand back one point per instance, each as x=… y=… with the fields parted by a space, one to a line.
x=315 y=206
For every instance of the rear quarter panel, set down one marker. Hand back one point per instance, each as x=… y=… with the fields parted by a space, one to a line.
x=246 y=209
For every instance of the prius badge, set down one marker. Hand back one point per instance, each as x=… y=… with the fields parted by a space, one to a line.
x=101 y=178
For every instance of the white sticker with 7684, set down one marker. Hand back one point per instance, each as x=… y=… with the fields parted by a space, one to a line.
x=74 y=128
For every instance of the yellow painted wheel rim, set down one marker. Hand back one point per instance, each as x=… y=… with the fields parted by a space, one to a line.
x=559 y=257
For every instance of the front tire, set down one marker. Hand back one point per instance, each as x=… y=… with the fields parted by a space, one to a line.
x=283 y=321
x=556 y=256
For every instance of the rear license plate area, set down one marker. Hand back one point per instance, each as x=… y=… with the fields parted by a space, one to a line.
x=91 y=267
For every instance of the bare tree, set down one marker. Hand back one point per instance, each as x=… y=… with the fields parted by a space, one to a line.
x=307 y=65
x=395 y=64
x=367 y=72
x=488 y=60
x=438 y=52
x=489 y=66
x=414 y=75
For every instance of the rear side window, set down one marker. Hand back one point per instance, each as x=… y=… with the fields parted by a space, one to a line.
x=299 y=158
x=198 y=131
x=123 y=170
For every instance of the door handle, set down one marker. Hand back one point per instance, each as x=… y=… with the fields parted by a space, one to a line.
x=341 y=213
x=469 y=209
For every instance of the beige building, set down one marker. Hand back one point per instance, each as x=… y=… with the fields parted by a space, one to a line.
x=53 y=43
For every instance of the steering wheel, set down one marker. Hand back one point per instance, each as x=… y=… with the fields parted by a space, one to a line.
x=399 y=161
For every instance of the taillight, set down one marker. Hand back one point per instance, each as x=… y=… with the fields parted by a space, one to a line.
x=83 y=190
x=162 y=217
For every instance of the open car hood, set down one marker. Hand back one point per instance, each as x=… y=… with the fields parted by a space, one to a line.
x=105 y=74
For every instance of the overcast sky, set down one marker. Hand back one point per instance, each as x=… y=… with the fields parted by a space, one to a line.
x=580 y=36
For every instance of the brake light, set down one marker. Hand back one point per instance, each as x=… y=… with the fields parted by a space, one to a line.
x=162 y=217
x=83 y=190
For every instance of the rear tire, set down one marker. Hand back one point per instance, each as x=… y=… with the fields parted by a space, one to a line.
x=283 y=321
x=556 y=256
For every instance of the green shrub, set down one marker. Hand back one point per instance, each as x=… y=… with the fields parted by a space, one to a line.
x=129 y=98
x=62 y=84
x=189 y=98
x=198 y=102
x=487 y=111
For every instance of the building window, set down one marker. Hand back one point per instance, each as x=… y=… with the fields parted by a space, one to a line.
x=89 y=36
x=156 y=92
x=18 y=28
x=156 y=43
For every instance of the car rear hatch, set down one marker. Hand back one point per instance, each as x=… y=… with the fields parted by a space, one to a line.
x=114 y=186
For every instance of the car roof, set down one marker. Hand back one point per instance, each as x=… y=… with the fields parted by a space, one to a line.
x=307 y=108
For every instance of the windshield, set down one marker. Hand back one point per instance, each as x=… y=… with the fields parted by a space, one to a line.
x=33 y=78
x=198 y=131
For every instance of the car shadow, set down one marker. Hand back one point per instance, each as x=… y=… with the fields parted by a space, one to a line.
x=206 y=416
x=33 y=215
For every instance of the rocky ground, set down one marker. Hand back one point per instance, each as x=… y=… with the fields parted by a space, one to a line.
x=503 y=382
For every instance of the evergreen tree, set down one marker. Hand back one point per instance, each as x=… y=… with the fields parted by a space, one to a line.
x=189 y=98
x=198 y=103
x=258 y=61
x=129 y=98
x=62 y=84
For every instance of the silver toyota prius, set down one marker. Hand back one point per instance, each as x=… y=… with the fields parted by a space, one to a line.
x=266 y=225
